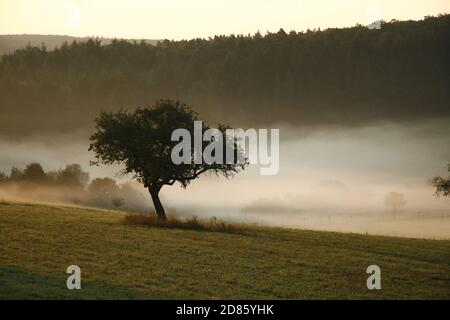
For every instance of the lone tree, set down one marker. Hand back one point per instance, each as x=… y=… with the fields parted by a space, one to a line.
x=442 y=185
x=395 y=200
x=140 y=142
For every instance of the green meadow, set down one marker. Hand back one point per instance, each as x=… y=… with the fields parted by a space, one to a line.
x=119 y=260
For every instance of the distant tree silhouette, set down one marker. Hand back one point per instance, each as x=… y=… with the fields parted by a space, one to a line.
x=104 y=187
x=129 y=191
x=72 y=176
x=140 y=141
x=16 y=174
x=395 y=200
x=3 y=177
x=72 y=184
x=442 y=185
x=118 y=202
x=35 y=173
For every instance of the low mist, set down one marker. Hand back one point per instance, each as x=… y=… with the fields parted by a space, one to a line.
x=330 y=179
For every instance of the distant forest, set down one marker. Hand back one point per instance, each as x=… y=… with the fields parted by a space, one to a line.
x=345 y=76
x=12 y=42
x=71 y=185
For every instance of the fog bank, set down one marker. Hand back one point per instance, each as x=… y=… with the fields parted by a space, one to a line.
x=329 y=179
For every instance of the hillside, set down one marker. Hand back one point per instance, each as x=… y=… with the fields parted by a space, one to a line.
x=117 y=260
x=350 y=77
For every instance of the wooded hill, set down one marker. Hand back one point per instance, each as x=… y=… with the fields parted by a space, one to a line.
x=345 y=76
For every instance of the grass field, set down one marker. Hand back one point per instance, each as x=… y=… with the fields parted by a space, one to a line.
x=122 y=261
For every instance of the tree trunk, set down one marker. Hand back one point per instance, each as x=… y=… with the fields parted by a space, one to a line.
x=157 y=204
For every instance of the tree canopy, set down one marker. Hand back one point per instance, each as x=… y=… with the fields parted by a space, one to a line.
x=140 y=141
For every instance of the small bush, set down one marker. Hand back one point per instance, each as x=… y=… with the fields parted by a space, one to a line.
x=118 y=202
x=192 y=223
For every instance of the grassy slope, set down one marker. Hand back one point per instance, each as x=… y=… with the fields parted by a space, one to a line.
x=38 y=242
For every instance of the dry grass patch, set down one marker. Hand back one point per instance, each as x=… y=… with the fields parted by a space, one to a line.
x=193 y=223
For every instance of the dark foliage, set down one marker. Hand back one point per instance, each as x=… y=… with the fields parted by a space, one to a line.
x=442 y=185
x=346 y=76
x=140 y=141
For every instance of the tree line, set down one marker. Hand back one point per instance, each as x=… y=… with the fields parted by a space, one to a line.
x=344 y=76
x=73 y=185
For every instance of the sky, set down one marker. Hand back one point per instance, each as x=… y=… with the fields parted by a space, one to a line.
x=181 y=19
